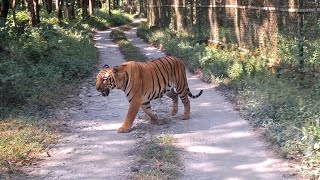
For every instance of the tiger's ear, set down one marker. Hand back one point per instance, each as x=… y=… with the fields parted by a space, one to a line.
x=105 y=66
x=116 y=69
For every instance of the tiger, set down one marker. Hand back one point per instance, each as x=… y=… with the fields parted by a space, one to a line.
x=146 y=81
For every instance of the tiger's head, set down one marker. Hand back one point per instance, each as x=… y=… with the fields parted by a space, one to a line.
x=108 y=79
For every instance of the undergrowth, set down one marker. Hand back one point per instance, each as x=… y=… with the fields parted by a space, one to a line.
x=21 y=139
x=39 y=67
x=130 y=52
x=158 y=159
x=281 y=99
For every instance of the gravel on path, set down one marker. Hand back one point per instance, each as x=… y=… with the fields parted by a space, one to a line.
x=216 y=143
x=92 y=149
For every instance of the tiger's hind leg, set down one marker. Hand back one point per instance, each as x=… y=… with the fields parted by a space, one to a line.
x=147 y=109
x=186 y=103
x=174 y=96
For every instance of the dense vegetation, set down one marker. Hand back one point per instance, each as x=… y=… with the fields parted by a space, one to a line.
x=130 y=52
x=39 y=67
x=282 y=99
x=36 y=62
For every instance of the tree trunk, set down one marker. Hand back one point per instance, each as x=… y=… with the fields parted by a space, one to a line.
x=131 y=6
x=109 y=6
x=91 y=6
x=23 y=4
x=36 y=10
x=142 y=11
x=49 y=6
x=5 y=8
x=78 y=4
x=70 y=11
x=59 y=4
x=116 y=4
x=84 y=9
x=14 y=6
x=32 y=14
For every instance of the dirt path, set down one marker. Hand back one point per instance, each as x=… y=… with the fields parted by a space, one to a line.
x=92 y=149
x=216 y=143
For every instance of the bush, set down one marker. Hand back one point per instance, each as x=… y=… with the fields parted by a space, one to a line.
x=143 y=31
x=286 y=104
x=119 y=18
x=117 y=35
x=130 y=52
x=42 y=59
x=39 y=66
x=101 y=19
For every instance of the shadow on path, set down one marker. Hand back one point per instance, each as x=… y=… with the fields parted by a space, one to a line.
x=216 y=142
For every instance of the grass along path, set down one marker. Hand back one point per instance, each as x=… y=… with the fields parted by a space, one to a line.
x=216 y=143
x=92 y=148
x=41 y=68
x=156 y=157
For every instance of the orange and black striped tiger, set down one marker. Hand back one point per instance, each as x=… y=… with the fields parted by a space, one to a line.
x=145 y=81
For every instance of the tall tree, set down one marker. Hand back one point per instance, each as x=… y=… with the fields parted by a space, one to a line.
x=36 y=10
x=59 y=5
x=109 y=6
x=5 y=8
x=91 y=6
x=115 y=4
x=142 y=8
x=49 y=6
x=32 y=14
x=14 y=5
x=70 y=10
x=78 y=2
x=130 y=6
x=84 y=4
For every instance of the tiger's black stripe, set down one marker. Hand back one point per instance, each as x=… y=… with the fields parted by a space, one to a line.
x=145 y=81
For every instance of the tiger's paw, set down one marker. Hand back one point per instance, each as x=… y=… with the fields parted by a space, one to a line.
x=174 y=111
x=185 y=117
x=154 y=121
x=123 y=130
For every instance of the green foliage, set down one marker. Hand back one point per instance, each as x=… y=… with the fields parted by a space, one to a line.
x=159 y=159
x=20 y=138
x=281 y=103
x=101 y=20
x=119 y=18
x=39 y=66
x=311 y=145
x=287 y=49
x=143 y=31
x=129 y=51
x=117 y=35
x=36 y=62
x=41 y=59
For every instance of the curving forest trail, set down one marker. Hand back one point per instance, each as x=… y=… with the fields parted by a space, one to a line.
x=216 y=143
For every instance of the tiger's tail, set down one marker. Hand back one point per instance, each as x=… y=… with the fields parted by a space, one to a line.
x=194 y=96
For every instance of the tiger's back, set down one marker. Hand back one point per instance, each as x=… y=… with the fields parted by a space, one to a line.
x=161 y=75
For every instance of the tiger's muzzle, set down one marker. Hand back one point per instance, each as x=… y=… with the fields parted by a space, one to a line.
x=105 y=92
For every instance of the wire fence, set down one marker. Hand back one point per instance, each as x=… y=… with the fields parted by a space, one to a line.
x=289 y=28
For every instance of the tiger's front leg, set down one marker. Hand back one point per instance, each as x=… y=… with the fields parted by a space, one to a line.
x=147 y=109
x=131 y=115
